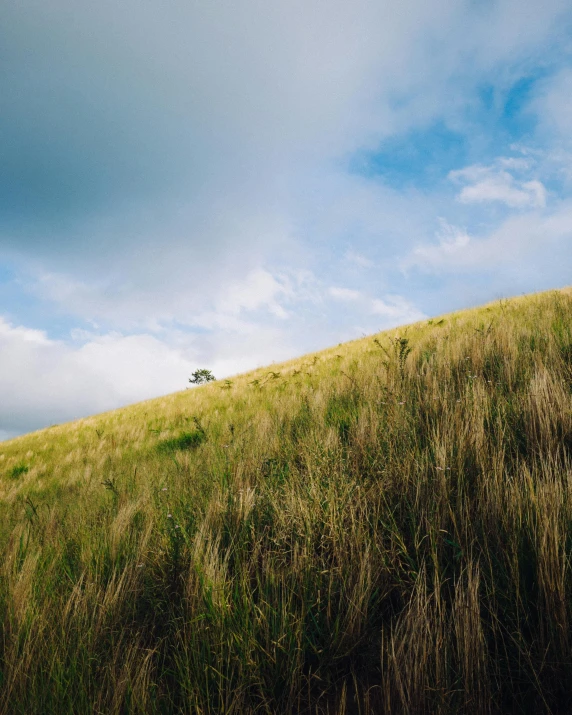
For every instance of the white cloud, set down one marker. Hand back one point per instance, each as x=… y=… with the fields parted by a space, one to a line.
x=512 y=162
x=260 y=289
x=393 y=309
x=396 y=310
x=495 y=183
x=535 y=242
x=45 y=381
x=133 y=366
x=358 y=259
x=452 y=244
x=344 y=294
x=27 y=335
x=553 y=104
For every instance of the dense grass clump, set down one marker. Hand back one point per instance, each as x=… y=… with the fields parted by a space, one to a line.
x=187 y=440
x=18 y=470
x=384 y=527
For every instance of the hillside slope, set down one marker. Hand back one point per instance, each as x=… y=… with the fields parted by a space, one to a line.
x=385 y=526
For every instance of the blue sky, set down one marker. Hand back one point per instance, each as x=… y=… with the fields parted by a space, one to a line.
x=227 y=184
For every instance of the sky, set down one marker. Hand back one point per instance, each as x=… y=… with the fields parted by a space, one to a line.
x=223 y=184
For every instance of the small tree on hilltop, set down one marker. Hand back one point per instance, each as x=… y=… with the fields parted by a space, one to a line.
x=201 y=376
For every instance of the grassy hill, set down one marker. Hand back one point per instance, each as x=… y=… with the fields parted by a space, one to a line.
x=385 y=526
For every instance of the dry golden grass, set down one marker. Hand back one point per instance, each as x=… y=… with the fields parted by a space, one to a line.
x=363 y=530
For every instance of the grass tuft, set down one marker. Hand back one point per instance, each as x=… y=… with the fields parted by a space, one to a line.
x=187 y=440
x=18 y=470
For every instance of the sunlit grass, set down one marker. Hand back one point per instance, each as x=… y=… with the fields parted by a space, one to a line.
x=385 y=526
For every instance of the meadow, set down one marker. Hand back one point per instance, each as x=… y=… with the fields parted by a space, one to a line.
x=381 y=527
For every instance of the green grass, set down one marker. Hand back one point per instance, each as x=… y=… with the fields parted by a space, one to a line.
x=186 y=440
x=383 y=527
x=18 y=470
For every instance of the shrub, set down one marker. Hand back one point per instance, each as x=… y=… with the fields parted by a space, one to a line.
x=201 y=376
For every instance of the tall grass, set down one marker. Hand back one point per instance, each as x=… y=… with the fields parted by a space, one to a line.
x=385 y=527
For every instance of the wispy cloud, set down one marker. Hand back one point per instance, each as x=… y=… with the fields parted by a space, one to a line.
x=553 y=103
x=396 y=309
x=393 y=309
x=495 y=183
x=534 y=243
x=452 y=245
x=358 y=259
x=260 y=289
x=344 y=294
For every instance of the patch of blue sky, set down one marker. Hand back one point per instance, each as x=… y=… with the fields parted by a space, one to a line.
x=416 y=159
x=11 y=293
x=503 y=115
x=495 y=119
x=20 y=306
x=7 y=273
x=515 y=102
x=191 y=329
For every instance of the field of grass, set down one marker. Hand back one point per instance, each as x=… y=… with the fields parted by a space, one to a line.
x=383 y=527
